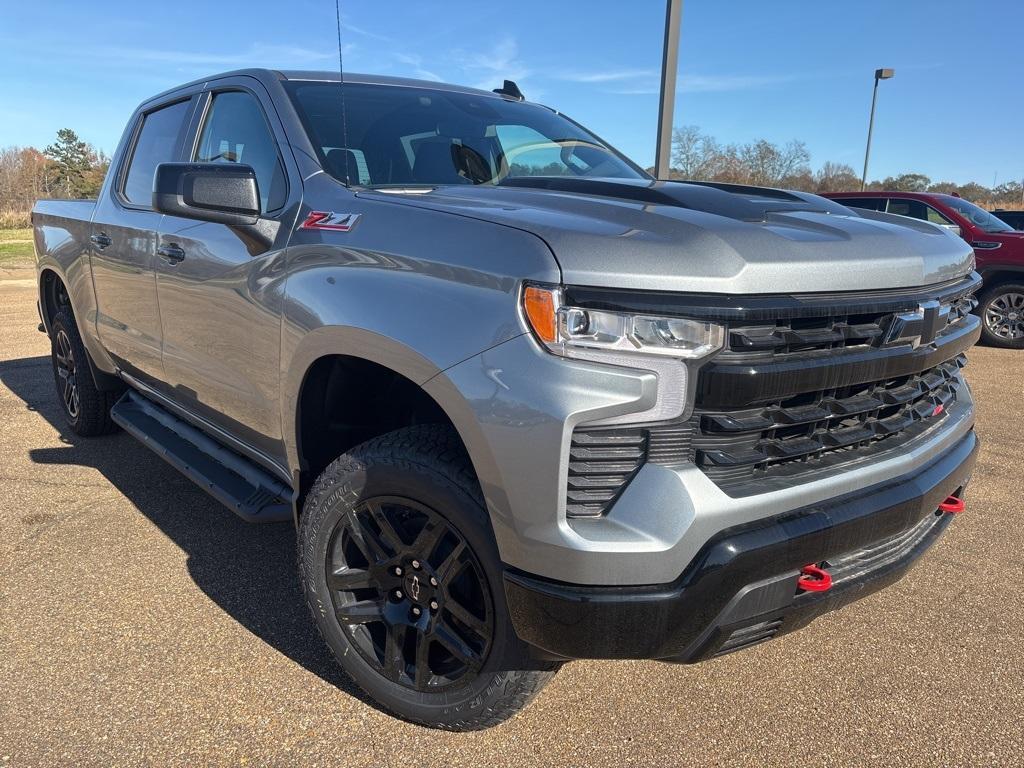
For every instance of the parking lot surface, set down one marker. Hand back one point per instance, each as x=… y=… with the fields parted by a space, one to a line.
x=143 y=623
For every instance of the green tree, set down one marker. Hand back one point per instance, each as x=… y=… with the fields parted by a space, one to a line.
x=943 y=187
x=73 y=159
x=907 y=182
x=974 y=192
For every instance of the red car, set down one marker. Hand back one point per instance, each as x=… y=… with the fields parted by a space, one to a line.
x=998 y=247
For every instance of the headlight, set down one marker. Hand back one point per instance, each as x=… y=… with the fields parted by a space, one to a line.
x=587 y=333
x=667 y=346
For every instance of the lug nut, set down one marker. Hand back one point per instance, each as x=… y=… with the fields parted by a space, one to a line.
x=398 y=570
x=433 y=581
x=415 y=611
x=398 y=594
x=416 y=564
x=433 y=605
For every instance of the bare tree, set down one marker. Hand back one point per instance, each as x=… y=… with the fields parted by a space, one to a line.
x=836 y=177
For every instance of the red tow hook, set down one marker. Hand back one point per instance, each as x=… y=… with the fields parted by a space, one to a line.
x=814 y=579
x=952 y=505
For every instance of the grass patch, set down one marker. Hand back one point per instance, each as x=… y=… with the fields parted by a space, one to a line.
x=16 y=248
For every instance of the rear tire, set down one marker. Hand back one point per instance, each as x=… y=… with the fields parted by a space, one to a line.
x=86 y=408
x=1002 y=316
x=402 y=574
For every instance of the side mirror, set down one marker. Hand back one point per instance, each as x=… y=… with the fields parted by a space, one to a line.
x=954 y=228
x=226 y=193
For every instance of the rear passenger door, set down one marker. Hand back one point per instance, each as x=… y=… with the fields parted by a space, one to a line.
x=124 y=241
x=220 y=288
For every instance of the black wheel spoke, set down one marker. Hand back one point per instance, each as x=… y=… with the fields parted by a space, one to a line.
x=360 y=612
x=389 y=537
x=366 y=540
x=456 y=646
x=466 y=616
x=452 y=564
x=423 y=675
x=348 y=579
x=428 y=538
x=394 y=652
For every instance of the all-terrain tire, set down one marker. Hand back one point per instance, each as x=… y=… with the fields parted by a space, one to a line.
x=1001 y=309
x=427 y=466
x=86 y=408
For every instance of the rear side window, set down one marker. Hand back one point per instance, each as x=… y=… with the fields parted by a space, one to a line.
x=871 y=203
x=156 y=144
x=915 y=209
x=236 y=131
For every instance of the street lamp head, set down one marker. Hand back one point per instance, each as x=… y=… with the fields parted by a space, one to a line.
x=884 y=74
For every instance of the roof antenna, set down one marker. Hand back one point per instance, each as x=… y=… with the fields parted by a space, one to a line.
x=510 y=89
x=341 y=86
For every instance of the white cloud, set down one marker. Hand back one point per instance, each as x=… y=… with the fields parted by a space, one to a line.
x=499 y=62
x=257 y=55
x=710 y=84
x=609 y=76
x=415 y=63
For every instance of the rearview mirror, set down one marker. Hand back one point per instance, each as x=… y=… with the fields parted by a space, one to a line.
x=226 y=193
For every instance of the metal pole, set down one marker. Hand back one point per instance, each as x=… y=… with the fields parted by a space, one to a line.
x=871 y=125
x=666 y=107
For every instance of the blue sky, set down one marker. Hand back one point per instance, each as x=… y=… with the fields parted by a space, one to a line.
x=747 y=69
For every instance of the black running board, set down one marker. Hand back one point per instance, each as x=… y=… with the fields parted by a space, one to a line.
x=245 y=488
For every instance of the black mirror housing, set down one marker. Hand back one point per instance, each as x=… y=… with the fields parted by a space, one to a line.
x=219 y=192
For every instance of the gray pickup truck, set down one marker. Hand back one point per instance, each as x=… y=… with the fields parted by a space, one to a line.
x=522 y=402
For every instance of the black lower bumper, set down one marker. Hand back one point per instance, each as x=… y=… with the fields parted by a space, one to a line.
x=741 y=588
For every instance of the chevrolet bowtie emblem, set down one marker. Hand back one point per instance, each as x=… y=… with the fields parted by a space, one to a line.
x=918 y=327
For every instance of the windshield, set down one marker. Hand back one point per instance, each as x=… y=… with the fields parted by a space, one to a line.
x=398 y=135
x=977 y=216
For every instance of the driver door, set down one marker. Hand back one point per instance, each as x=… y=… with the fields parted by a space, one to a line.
x=220 y=291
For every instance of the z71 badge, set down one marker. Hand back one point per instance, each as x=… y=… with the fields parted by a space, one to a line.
x=339 y=222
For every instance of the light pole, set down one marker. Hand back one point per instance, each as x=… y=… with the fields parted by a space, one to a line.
x=666 y=106
x=880 y=74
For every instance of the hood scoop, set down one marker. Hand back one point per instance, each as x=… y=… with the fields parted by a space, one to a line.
x=735 y=201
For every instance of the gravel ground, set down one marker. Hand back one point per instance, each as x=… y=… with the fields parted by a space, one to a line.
x=141 y=623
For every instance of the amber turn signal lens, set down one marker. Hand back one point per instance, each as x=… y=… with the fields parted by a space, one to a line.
x=539 y=305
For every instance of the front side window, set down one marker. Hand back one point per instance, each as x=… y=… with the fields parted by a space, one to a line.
x=937 y=218
x=156 y=143
x=236 y=131
x=398 y=135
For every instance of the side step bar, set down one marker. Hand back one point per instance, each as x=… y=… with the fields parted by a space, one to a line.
x=247 y=489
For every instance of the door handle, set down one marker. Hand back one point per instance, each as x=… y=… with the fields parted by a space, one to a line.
x=171 y=253
x=100 y=240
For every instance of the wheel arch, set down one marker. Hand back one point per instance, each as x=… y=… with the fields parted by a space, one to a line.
x=993 y=277
x=375 y=363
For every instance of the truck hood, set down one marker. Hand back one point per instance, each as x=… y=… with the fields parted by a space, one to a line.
x=715 y=238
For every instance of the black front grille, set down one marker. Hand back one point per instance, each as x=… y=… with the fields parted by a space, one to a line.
x=806 y=384
x=738 y=445
x=827 y=332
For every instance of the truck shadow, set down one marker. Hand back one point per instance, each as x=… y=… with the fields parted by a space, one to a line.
x=250 y=571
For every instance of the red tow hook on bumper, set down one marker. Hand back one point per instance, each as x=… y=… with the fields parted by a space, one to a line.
x=814 y=579
x=952 y=505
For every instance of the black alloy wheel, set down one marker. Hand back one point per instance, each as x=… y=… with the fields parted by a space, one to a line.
x=67 y=378
x=410 y=594
x=401 y=572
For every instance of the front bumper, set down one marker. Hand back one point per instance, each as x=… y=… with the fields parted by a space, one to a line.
x=740 y=589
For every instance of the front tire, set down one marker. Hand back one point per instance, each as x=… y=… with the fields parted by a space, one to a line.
x=86 y=408
x=402 y=574
x=1002 y=316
